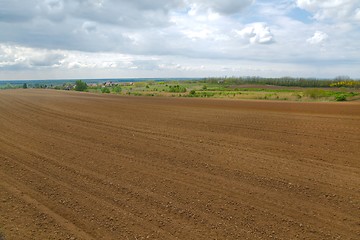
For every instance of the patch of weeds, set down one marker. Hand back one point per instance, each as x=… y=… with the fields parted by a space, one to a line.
x=202 y=94
x=137 y=94
x=177 y=89
x=192 y=92
x=316 y=93
x=117 y=89
x=105 y=90
x=340 y=97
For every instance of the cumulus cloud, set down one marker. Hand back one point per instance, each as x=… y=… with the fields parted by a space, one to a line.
x=110 y=36
x=318 y=38
x=256 y=33
x=221 y=6
x=331 y=9
x=12 y=56
x=131 y=27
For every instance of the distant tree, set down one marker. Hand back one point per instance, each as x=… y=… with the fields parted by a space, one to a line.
x=25 y=85
x=105 y=90
x=342 y=78
x=80 y=86
x=177 y=89
x=117 y=89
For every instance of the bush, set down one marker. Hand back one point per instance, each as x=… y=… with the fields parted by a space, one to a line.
x=340 y=97
x=177 y=89
x=208 y=94
x=117 y=89
x=80 y=86
x=200 y=94
x=315 y=93
x=105 y=90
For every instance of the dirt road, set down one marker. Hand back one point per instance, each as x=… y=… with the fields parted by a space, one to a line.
x=85 y=166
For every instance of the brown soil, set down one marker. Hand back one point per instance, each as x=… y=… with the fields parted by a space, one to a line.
x=86 y=166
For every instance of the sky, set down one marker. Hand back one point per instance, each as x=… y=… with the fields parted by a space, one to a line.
x=59 y=39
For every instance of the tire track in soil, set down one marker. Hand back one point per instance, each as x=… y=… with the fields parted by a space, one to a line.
x=204 y=184
x=202 y=187
x=14 y=187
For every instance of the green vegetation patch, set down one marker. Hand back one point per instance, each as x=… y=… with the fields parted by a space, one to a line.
x=105 y=90
x=202 y=94
x=177 y=89
x=80 y=86
x=336 y=95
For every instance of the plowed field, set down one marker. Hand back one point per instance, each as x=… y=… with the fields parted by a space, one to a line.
x=86 y=166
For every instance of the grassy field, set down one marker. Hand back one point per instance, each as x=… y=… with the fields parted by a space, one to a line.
x=230 y=91
x=232 y=88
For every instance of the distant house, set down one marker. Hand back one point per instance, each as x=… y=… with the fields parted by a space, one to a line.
x=69 y=86
x=127 y=83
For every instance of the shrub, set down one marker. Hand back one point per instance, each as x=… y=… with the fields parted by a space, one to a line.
x=200 y=94
x=315 y=93
x=177 y=89
x=105 y=90
x=340 y=97
x=80 y=86
x=117 y=89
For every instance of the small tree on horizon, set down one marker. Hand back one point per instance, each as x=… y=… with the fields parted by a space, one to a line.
x=80 y=86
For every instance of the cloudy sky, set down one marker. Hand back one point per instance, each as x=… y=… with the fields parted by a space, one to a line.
x=56 y=39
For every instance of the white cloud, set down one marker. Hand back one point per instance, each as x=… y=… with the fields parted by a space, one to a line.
x=18 y=57
x=318 y=38
x=166 y=37
x=89 y=27
x=225 y=7
x=336 y=10
x=256 y=33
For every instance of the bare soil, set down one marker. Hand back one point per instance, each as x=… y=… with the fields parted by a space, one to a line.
x=86 y=166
